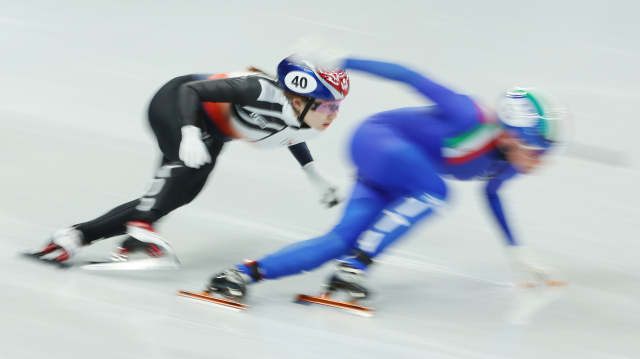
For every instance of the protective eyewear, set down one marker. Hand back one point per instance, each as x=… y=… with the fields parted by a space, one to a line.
x=327 y=107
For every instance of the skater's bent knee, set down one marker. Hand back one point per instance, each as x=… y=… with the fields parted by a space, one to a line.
x=333 y=244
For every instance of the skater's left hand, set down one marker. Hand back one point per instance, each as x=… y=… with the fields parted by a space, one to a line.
x=529 y=270
x=328 y=192
x=330 y=197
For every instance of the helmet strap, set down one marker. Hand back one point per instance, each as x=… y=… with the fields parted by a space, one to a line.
x=502 y=153
x=306 y=109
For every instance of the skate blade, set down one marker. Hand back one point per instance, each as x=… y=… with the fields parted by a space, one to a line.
x=206 y=297
x=323 y=300
x=547 y=282
x=138 y=264
x=59 y=265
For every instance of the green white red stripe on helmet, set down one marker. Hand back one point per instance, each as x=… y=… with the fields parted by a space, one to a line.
x=534 y=116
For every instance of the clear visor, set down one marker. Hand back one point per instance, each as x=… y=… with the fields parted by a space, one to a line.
x=327 y=107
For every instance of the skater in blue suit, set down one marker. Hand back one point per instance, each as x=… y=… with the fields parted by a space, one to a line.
x=401 y=156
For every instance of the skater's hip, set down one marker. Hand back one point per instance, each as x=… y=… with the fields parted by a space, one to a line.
x=388 y=160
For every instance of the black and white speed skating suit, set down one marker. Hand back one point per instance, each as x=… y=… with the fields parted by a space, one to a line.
x=247 y=105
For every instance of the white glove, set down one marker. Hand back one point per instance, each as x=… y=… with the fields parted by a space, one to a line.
x=530 y=272
x=328 y=192
x=193 y=152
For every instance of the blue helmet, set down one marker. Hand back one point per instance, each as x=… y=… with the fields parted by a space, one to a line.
x=300 y=77
x=535 y=117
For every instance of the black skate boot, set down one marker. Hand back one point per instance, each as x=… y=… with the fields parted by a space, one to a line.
x=132 y=245
x=226 y=289
x=231 y=283
x=348 y=279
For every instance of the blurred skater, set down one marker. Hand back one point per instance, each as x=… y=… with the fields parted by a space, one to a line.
x=401 y=156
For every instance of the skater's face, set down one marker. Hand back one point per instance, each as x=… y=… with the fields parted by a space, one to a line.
x=523 y=158
x=321 y=114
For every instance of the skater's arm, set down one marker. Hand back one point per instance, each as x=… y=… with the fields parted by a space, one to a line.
x=459 y=107
x=301 y=152
x=234 y=90
x=326 y=190
x=491 y=191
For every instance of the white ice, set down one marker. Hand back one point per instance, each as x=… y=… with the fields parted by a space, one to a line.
x=76 y=77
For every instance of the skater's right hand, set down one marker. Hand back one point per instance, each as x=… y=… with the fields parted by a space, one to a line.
x=193 y=152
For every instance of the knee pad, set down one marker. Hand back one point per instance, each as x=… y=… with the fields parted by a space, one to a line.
x=395 y=220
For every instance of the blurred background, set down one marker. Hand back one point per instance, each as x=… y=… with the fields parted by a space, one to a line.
x=75 y=81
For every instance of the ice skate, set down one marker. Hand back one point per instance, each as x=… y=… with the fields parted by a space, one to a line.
x=60 y=247
x=143 y=249
x=346 y=279
x=132 y=246
x=349 y=280
x=230 y=286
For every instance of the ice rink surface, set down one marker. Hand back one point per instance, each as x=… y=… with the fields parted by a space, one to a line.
x=76 y=77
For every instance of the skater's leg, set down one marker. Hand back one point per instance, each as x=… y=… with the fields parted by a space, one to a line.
x=400 y=168
x=396 y=220
x=407 y=171
x=364 y=205
x=109 y=224
x=174 y=185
